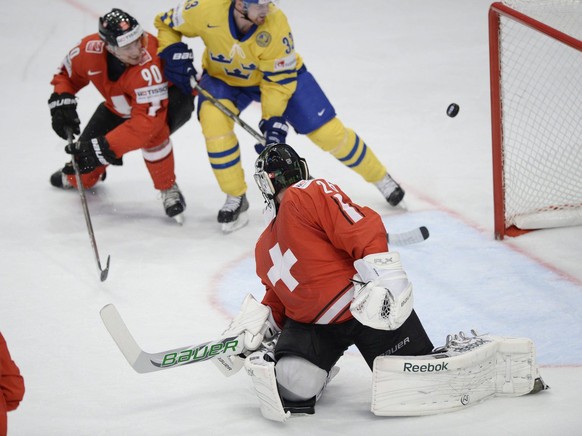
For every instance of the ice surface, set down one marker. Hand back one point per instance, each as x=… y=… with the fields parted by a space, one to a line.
x=391 y=69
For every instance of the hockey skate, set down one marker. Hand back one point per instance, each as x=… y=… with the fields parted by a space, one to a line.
x=174 y=203
x=60 y=178
x=233 y=214
x=391 y=190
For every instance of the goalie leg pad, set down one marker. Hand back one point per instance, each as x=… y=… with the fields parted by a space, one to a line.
x=262 y=373
x=516 y=367
x=470 y=371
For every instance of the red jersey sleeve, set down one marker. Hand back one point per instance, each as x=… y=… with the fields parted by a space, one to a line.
x=11 y=382
x=277 y=309
x=72 y=75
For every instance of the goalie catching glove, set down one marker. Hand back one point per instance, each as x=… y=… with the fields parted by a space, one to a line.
x=383 y=295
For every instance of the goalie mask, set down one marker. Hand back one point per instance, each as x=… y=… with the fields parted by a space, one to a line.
x=277 y=167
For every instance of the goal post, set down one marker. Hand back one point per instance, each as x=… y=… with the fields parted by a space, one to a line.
x=535 y=49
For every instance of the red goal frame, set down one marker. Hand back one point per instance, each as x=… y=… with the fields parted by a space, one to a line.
x=497 y=10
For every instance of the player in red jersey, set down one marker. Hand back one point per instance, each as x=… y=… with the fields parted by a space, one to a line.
x=11 y=385
x=139 y=111
x=330 y=283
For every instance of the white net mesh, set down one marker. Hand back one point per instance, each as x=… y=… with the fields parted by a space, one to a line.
x=541 y=93
x=563 y=15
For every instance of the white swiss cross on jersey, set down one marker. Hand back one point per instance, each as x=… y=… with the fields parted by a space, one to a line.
x=281 y=269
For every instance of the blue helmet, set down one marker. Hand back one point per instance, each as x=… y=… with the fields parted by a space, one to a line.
x=259 y=3
x=256 y=2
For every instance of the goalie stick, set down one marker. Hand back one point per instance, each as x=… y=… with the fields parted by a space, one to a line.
x=142 y=361
x=220 y=350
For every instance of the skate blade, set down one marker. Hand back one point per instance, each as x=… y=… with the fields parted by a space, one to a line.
x=243 y=220
x=179 y=218
x=400 y=206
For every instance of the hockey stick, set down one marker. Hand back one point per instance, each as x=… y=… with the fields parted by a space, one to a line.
x=102 y=272
x=410 y=237
x=142 y=361
x=406 y=238
x=230 y=365
x=226 y=111
x=219 y=350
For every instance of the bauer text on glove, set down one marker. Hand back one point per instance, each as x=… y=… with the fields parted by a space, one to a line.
x=93 y=153
x=178 y=66
x=274 y=130
x=64 y=115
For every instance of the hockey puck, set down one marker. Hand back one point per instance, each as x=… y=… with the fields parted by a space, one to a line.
x=453 y=110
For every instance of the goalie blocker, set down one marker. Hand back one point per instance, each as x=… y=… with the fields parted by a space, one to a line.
x=468 y=370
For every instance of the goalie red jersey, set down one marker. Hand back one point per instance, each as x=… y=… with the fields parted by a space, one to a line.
x=138 y=93
x=305 y=255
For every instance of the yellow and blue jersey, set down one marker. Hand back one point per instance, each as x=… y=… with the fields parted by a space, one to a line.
x=265 y=56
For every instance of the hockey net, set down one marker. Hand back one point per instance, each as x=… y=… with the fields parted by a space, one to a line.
x=536 y=108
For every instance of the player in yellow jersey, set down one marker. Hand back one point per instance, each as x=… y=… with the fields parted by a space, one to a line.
x=250 y=56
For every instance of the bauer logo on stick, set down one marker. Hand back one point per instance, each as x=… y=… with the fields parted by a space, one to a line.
x=199 y=353
x=453 y=110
